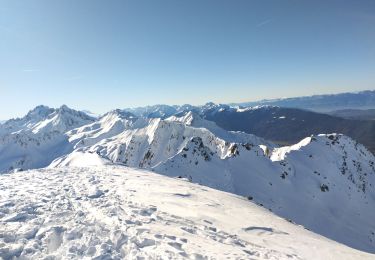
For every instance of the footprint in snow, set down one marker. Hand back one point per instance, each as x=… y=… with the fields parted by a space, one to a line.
x=95 y=194
x=175 y=245
x=158 y=236
x=187 y=195
x=142 y=230
x=145 y=242
x=183 y=240
x=18 y=217
x=189 y=230
x=146 y=212
x=53 y=238
x=170 y=237
x=264 y=229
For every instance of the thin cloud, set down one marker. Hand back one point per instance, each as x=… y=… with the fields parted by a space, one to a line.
x=263 y=23
x=30 y=70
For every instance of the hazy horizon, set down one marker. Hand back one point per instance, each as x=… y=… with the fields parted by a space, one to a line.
x=172 y=104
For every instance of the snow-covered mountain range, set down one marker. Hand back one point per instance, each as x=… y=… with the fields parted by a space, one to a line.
x=319 y=103
x=283 y=125
x=325 y=182
x=323 y=103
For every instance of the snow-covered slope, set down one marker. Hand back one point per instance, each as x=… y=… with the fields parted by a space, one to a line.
x=36 y=139
x=121 y=213
x=308 y=182
x=325 y=182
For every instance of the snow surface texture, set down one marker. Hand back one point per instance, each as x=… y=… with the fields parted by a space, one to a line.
x=325 y=183
x=114 y=212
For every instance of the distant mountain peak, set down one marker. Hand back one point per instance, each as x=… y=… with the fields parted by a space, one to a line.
x=64 y=108
x=40 y=111
x=123 y=114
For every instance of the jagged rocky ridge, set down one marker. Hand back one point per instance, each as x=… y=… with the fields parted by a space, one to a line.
x=308 y=183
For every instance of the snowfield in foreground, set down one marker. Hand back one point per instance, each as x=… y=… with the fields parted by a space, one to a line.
x=113 y=212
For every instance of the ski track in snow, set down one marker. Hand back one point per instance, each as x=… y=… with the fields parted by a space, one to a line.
x=117 y=212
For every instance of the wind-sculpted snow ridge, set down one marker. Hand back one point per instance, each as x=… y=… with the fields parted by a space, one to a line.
x=38 y=138
x=121 y=213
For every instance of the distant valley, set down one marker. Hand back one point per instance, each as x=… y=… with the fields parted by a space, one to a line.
x=356 y=114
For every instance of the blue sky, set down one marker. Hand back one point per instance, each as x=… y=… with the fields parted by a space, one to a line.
x=100 y=55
